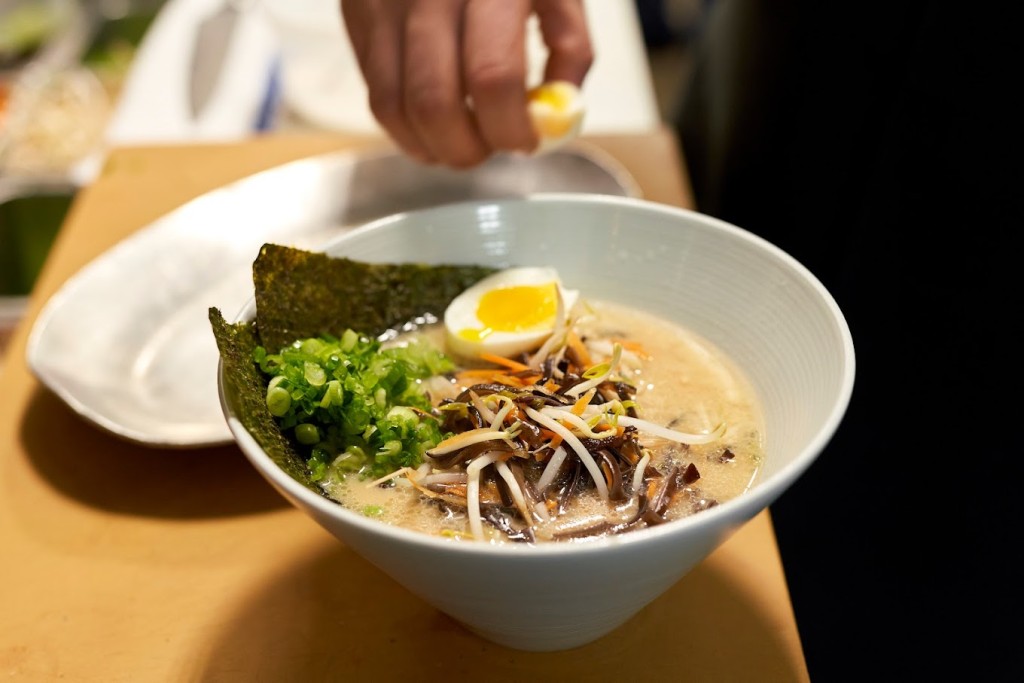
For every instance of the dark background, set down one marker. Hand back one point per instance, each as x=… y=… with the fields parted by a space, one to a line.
x=880 y=145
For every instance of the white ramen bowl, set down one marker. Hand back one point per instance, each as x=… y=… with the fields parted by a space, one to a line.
x=767 y=312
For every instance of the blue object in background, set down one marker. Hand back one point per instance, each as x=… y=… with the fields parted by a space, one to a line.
x=266 y=115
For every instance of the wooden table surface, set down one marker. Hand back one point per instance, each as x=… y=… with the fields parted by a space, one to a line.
x=127 y=563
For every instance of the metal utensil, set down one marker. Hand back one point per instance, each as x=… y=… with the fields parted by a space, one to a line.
x=209 y=53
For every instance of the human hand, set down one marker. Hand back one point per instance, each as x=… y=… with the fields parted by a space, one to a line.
x=447 y=78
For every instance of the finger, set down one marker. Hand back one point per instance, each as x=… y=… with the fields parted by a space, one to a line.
x=494 y=45
x=375 y=29
x=435 y=99
x=564 y=29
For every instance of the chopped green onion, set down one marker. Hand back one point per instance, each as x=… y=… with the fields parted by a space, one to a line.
x=333 y=395
x=314 y=374
x=307 y=434
x=352 y=405
x=278 y=401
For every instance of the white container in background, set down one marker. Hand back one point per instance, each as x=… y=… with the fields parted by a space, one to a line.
x=320 y=79
x=322 y=85
x=305 y=44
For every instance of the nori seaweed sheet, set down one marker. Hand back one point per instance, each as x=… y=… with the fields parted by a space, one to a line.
x=303 y=294
x=243 y=379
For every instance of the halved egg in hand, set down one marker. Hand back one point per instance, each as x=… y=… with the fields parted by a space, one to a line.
x=556 y=111
x=510 y=312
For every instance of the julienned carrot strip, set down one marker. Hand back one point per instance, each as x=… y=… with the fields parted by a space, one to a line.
x=504 y=362
x=606 y=427
x=568 y=425
x=578 y=347
x=554 y=440
x=631 y=345
x=476 y=372
x=498 y=376
x=582 y=402
x=509 y=380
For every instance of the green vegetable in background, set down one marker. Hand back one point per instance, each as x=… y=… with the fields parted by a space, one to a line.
x=353 y=405
x=26 y=27
x=28 y=226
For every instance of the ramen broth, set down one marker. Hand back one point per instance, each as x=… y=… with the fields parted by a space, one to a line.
x=682 y=382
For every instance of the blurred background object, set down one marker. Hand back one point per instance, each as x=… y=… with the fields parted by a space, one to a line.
x=31 y=213
x=322 y=87
x=63 y=67
x=78 y=77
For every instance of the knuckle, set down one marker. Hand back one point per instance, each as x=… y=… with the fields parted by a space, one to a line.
x=386 y=106
x=575 y=49
x=429 y=106
x=491 y=77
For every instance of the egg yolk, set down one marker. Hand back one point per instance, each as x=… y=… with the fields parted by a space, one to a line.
x=551 y=104
x=520 y=308
x=557 y=99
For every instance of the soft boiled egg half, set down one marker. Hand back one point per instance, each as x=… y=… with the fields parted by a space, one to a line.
x=556 y=111
x=510 y=312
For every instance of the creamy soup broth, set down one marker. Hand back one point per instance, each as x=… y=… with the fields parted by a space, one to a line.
x=682 y=382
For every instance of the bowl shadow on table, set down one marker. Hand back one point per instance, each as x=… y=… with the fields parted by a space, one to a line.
x=104 y=471
x=334 y=614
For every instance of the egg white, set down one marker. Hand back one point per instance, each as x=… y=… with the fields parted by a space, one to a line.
x=461 y=314
x=556 y=111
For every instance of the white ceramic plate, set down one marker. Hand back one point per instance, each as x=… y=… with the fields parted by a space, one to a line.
x=126 y=341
